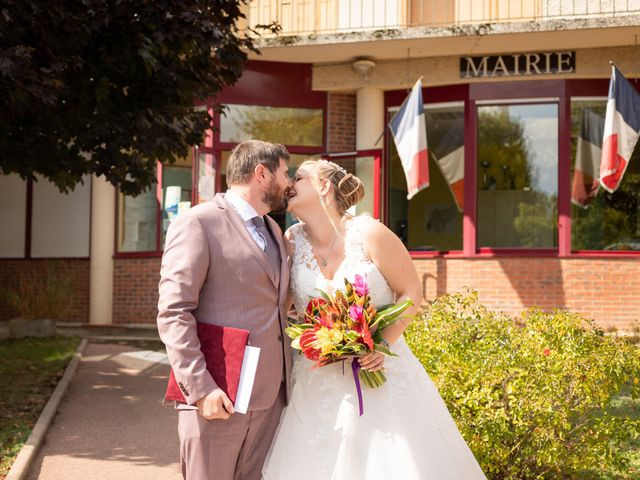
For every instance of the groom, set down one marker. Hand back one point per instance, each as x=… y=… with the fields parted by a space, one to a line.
x=225 y=263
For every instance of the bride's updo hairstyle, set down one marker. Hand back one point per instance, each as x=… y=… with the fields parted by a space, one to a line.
x=348 y=189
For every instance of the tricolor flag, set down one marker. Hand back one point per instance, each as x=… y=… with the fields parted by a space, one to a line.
x=446 y=134
x=621 y=130
x=586 y=172
x=410 y=136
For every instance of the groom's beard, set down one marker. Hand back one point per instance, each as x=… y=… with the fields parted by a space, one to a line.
x=275 y=198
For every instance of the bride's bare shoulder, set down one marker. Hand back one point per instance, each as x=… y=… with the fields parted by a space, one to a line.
x=376 y=236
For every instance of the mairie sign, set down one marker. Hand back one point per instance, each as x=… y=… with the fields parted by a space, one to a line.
x=543 y=63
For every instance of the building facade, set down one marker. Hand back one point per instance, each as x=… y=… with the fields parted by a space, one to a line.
x=515 y=94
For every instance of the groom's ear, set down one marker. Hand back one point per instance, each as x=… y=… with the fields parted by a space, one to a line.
x=260 y=173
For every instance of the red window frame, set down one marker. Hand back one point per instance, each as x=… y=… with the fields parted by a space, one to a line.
x=273 y=84
x=561 y=91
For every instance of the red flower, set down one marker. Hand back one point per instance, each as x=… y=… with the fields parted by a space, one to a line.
x=366 y=336
x=546 y=352
x=314 y=305
x=306 y=344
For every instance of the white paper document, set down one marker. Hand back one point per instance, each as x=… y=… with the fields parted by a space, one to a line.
x=247 y=376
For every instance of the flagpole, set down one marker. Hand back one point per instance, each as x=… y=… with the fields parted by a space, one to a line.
x=385 y=128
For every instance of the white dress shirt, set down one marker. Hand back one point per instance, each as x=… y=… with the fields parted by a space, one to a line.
x=246 y=212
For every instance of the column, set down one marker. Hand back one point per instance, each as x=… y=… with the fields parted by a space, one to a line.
x=103 y=224
x=370 y=123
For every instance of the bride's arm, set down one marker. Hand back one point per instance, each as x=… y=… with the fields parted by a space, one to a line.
x=391 y=257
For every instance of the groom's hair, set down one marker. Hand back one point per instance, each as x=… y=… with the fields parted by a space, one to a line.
x=246 y=156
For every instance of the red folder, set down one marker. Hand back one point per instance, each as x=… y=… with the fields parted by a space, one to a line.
x=223 y=351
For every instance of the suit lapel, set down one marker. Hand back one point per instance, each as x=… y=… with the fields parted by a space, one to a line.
x=238 y=224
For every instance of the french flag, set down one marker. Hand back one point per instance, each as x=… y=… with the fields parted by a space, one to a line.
x=621 y=130
x=588 y=157
x=409 y=132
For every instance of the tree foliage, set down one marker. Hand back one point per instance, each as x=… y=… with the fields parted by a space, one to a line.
x=107 y=87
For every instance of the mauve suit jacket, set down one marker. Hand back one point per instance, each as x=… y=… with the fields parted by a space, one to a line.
x=213 y=271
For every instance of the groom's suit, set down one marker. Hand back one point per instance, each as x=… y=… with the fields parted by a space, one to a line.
x=214 y=271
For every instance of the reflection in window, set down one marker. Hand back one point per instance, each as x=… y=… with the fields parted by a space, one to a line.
x=206 y=177
x=432 y=220
x=518 y=176
x=600 y=220
x=137 y=222
x=176 y=193
x=291 y=126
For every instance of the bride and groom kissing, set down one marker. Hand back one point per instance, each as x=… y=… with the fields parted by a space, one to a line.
x=227 y=263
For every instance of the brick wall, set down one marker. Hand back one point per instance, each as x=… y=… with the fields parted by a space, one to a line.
x=135 y=290
x=607 y=290
x=342 y=126
x=11 y=270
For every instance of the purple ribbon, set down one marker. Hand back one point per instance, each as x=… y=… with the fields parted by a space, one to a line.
x=355 y=367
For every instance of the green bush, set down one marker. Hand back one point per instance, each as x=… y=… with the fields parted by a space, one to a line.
x=529 y=396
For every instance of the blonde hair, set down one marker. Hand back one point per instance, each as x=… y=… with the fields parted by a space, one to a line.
x=348 y=189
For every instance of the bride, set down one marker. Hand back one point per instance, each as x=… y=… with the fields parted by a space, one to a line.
x=406 y=431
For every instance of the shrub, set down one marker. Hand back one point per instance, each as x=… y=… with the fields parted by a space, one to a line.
x=529 y=396
x=46 y=292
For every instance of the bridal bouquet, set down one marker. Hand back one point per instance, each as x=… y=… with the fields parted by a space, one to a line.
x=344 y=326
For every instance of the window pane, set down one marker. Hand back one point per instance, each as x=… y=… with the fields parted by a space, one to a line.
x=518 y=176
x=137 y=222
x=13 y=216
x=60 y=222
x=290 y=126
x=176 y=194
x=206 y=177
x=601 y=221
x=432 y=220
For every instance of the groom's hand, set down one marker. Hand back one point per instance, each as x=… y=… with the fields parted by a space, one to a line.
x=215 y=405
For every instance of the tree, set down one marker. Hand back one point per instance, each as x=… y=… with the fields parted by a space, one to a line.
x=108 y=87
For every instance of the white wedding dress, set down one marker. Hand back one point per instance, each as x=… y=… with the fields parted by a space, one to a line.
x=406 y=432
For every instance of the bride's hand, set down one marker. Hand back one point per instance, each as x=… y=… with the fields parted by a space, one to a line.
x=372 y=361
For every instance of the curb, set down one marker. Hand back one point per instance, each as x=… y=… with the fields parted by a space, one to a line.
x=27 y=453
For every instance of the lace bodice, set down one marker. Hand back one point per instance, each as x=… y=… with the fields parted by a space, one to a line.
x=306 y=276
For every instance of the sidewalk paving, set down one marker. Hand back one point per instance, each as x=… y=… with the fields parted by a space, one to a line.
x=112 y=424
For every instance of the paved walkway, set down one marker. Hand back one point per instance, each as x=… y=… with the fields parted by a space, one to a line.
x=112 y=424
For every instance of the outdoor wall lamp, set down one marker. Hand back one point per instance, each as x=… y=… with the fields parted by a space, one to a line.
x=362 y=66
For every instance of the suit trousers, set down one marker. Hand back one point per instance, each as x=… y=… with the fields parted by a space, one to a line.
x=233 y=449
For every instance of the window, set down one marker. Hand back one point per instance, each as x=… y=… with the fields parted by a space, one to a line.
x=60 y=222
x=38 y=221
x=138 y=220
x=600 y=220
x=13 y=216
x=286 y=125
x=138 y=217
x=432 y=220
x=517 y=176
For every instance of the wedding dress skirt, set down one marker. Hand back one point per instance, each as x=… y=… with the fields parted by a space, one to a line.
x=406 y=431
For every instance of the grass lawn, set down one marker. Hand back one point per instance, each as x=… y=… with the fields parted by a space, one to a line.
x=30 y=369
